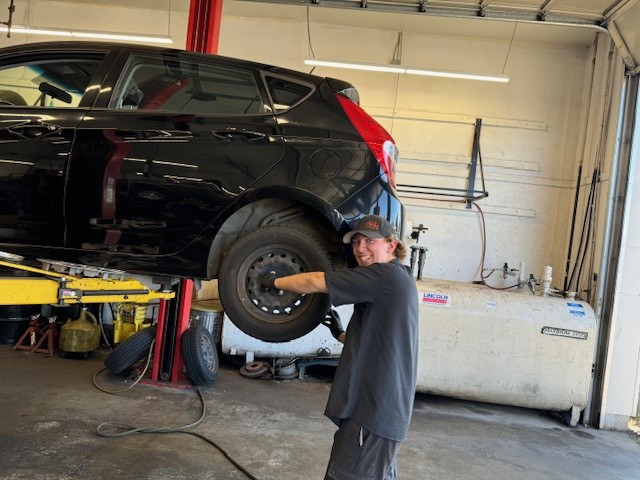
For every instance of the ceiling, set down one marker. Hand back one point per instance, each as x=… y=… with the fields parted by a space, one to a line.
x=552 y=21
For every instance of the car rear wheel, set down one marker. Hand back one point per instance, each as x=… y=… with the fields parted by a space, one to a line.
x=267 y=315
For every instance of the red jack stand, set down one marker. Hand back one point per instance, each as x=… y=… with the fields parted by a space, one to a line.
x=48 y=333
x=173 y=320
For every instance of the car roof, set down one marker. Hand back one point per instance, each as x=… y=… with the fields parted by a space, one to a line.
x=56 y=46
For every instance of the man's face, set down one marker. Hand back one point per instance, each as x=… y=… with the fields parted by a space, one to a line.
x=372 y=250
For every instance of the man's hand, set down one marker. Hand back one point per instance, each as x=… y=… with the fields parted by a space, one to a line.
x=267 y=283
x=333 y=323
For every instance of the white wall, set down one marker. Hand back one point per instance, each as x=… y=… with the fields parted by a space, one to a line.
x=529 y=137
x=558 y=112
x=146 y=17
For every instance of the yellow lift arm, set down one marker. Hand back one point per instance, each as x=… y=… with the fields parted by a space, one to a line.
x=61 y=289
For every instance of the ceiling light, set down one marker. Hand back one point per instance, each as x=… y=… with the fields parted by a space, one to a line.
x=84 y=34
x=463 y=76
x=372 y=67
x=393 y=68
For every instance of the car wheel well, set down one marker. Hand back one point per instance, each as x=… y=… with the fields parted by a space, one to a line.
x=272 y=212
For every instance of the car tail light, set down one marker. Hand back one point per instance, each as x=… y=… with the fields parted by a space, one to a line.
x=376 y=137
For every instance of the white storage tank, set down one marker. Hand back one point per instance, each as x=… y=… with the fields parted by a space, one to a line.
x=505 y=346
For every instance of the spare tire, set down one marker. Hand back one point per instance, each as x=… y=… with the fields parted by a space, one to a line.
x=268 y=316
x=200 y=355
x=133 y=349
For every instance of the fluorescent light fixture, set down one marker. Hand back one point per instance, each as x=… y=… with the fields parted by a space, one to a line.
x=372 y=67
x=84 y=34
x=463 y=76
x=391 y=68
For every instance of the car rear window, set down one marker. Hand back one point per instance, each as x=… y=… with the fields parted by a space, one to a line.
x=285 y=93
x=46 y=83
x=186 y=86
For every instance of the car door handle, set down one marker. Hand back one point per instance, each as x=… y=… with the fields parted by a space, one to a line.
x=172 y=135
x=31 y=129
x=154 y=135
x=238 y=136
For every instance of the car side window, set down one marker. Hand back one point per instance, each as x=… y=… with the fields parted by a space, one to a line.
x=286 y=93
x=187 y=87
x=46 y=83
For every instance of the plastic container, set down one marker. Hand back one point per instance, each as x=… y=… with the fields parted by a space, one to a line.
x=81 y=335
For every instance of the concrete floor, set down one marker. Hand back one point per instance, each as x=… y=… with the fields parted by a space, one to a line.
x=275 y=429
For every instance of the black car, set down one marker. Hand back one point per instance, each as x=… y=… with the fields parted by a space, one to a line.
x=166 y=162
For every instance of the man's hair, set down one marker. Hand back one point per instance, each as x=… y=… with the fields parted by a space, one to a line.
x=401 y=251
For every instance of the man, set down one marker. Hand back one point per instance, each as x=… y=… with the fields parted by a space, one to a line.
x=373 y=388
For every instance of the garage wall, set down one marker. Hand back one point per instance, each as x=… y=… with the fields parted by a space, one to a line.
x=142 y=17
x=559 y=113
x=532 y=129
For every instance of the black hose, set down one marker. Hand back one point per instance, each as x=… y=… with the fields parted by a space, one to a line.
x=589 y=228
x=573 y=228
x=116 y=430
x=586 y=225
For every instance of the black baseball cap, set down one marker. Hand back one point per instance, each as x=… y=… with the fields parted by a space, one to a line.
x=372 y=226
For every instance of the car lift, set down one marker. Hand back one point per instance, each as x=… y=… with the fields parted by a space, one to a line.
x=61 y=289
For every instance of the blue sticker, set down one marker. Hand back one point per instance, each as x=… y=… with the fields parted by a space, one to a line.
x=576 y=309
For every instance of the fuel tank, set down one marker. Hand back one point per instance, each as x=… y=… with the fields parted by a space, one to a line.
x=504 y=346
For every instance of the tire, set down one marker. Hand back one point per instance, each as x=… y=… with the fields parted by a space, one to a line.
x=133 y=349
x=200 y=356
x=268 y=316
x=7 y=97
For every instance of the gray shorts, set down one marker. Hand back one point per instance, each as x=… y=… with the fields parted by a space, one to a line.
x=358 y=454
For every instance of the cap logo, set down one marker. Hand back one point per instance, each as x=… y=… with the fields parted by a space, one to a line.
x=372 y=225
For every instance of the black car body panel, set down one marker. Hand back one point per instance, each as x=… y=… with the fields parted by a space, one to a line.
x=137 y=173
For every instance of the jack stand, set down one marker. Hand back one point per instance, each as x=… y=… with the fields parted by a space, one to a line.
x=47 y=333
x=173 y=320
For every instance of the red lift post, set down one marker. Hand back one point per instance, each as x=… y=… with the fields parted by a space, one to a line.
x=203 y=31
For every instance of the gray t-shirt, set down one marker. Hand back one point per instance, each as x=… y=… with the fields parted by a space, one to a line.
x=375 y=381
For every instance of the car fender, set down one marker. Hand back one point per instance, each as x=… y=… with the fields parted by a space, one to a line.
x=271 y=206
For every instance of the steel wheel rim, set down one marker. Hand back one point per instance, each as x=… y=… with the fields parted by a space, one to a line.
x=271 y=307
x=206 y=349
